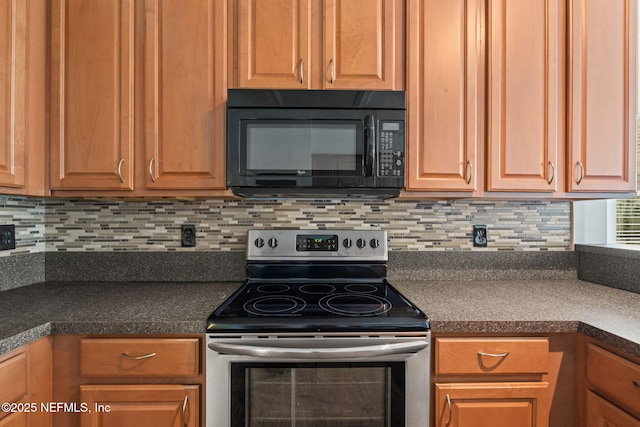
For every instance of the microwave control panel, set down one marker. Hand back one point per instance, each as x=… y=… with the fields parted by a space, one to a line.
x=391 y=148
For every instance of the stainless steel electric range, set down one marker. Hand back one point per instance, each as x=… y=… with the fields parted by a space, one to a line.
x=317 y=336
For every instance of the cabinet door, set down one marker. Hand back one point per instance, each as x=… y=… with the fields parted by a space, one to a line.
x=443 y=83
x=18 y=419
x=153 y=405
x=13 y=70
x=492 y=405
x=363 y=44
x=184 y=94
x=274 y=44
x=602 y=96
x=92 y=94
x=602 y=413
x=525 y=84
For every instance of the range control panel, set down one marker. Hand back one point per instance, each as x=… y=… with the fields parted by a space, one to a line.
x=317 y=244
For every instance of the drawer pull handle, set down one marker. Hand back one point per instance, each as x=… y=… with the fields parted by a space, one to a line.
x=450 y=411
x=185 y=406
x=469 y=172
x=332 y=65
x=301 y=71
x=482 y=353
x=120 y=171
x=144 y=356
x=153 y=178
x=580 y=177
x=553 y=172
x=636 y=383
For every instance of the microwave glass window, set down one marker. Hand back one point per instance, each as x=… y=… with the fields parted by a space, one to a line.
x=298 y=146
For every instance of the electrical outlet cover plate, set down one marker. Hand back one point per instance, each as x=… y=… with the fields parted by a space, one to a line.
x=7 y=237
x=480 y=236
x=188 y=236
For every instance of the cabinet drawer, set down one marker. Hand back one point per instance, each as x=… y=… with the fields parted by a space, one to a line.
x=614 y=376
x=139 y=357
x=13 y=377
x=484 y=356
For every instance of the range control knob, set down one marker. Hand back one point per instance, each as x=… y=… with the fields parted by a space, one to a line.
x=347 y=243
x=273 y=242
x=259 y=242
x=361 y=243
x=375 y=243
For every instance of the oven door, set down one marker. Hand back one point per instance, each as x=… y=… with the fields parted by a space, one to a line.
x=318 y=381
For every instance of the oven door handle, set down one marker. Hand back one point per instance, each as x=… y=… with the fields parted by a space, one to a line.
x=319 y=353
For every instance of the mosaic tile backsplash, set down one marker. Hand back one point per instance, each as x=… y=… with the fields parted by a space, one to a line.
x=141 y=225
x=28 y=215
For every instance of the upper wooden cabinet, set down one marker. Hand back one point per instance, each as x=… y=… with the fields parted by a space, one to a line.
x=559 y=119
x=444 y=84
x=524 y=95
x=602 y=95
x=138 y=96
x=185 y=95
x=92 y=94
x=267 y=55
x=308 y=44
x=22 y=97
x=447 y=52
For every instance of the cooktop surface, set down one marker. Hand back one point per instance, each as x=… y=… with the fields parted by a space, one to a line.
x=260 y=306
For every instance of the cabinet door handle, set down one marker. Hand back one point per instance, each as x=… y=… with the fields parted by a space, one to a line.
x=450 y=410
x=153 y=178
x=120 y=170
x=185 y=406
x=553 y=172
x=332 y=66
x=469 y=172
x=301 y=71
x=482 y=353
x=581 y=170
x=144 y=356
x=636 y=383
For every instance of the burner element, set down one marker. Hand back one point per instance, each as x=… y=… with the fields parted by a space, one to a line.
x=273 y=289
x=317 y=289
x=353 y=304
x=361 y=289
x=275 y=305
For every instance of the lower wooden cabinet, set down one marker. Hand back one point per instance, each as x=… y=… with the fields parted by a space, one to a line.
x=499 y=404
x=18 y=419
x=25 y=383
x=487 y=381
x=153 y=405
x=603 y=413
x=129 y=381
x=611 y=391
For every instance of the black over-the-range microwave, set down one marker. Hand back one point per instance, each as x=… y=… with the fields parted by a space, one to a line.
x=315 y=143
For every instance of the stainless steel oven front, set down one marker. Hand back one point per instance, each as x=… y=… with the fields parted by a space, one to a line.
x=330 y=379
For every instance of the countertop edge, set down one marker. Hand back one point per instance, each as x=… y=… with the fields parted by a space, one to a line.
x=34 y=333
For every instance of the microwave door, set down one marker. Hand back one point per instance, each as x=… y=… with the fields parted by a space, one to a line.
x=303 y=149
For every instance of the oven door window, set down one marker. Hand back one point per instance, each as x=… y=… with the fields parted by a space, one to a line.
x=318 y=395
x=303 y=147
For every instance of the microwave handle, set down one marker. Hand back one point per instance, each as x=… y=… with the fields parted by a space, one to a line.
x=318 y=353
x=370 y=144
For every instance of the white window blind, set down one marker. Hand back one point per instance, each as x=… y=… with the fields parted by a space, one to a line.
x=628 y=210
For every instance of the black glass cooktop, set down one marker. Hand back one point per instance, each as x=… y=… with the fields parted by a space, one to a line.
x=267 y=306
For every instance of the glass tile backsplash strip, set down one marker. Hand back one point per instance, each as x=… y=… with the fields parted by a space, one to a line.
x=221 y=225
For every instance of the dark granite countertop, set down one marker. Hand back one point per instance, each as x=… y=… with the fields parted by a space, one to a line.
x=510 y=307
